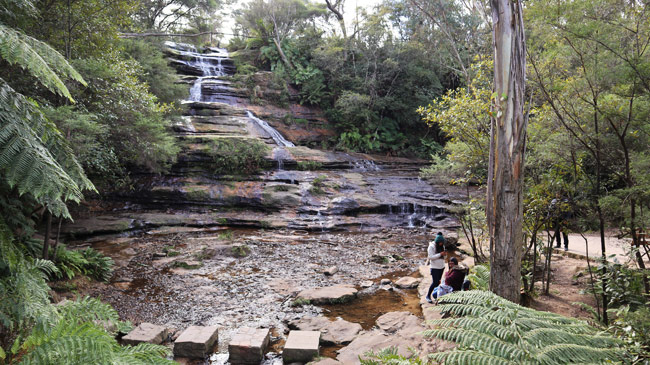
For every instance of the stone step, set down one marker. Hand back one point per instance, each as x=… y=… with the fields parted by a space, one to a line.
x=301 y=346
x=248 y=346
x=146 y=332
x=196 y=342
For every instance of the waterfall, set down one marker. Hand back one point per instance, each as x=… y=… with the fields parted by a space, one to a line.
x=277 y=137
x=210 y=65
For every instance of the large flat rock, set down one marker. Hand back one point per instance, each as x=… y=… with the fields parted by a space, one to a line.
x=339 y=332
x=146 y=332
x=301 y=346
x=248 y=346
x=401 y=330
x=331 y=294
x=196 y=342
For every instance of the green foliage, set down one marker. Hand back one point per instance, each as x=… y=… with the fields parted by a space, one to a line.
x=318 y=184
x=463 y=116
x=156 y=72
x=633 y=327
x=240 y=250
x=492 y=330
x=309 y=165
x=38 y=58
x=136 y=122
x=238 y=156
x=34 y=157
x=299 y=302
x=389 y=356
x=479 y=275
x=87 y=262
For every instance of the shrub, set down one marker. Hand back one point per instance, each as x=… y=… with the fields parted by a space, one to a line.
x=238 y=156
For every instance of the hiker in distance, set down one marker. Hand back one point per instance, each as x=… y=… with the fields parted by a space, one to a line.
x=436 y=259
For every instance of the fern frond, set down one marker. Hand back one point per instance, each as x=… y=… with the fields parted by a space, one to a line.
x=469 y=357
x=480 y=277
x=68 y=342
x=531 y=323
x=38 y=58
x=481 y=325
x=143 y=353
x=87 y=310
x=565 y=354
x=481 y=342
x=543 y=337
x=460 y=309
x=28 y=164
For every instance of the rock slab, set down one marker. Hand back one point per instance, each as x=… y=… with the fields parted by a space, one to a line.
x=196 y=342
x=248 y=346
x=301 y=346
x=339 y=332
x=330 y=294
x=407 y=282
x=146 y=332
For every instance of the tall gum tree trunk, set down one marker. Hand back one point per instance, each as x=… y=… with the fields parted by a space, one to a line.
x=507 y=146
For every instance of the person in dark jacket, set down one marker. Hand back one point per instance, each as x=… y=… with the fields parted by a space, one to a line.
x=453 y=279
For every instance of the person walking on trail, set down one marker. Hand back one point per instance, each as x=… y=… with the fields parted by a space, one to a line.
x=560 y=214
x=436 y=259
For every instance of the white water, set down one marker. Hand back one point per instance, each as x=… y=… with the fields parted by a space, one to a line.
x=277 y=137
x=211 y=66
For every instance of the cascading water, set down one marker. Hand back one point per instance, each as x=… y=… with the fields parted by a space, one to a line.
x=277 y=137
x=211 y=67
x=210 y=64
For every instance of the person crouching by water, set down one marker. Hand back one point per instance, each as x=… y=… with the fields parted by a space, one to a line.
x=436 y=258
x=453 y=281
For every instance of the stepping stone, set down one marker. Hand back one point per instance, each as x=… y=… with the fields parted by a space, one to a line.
x=196 y=342
x=301 y=346
x=248 y=346
x=146 y=332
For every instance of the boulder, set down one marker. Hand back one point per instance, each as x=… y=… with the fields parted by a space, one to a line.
x=330 y=294
x=331 y=270
x=146 y=332
x=248 y=346
x=196 y=342
x=407 y=282
x=301 y=346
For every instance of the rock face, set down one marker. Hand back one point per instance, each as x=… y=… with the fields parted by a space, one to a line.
x=248 y=346
x=331 y=294
x=297 y=187
x=146 y=332
x=301 y=346
x=339 y=332
x=196 y=342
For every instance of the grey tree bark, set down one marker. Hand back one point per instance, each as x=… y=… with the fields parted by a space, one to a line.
x=507 y=147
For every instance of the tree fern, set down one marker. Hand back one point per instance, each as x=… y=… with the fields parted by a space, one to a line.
x=34 y=156
x=492 y=330
x=39 y=59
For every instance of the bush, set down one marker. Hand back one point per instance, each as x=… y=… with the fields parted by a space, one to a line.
x=238 y=156
x=87 y=262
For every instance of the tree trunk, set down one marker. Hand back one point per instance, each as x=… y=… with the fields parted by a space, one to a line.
x=46 y=240
x=508 y=145
x=282 y=55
